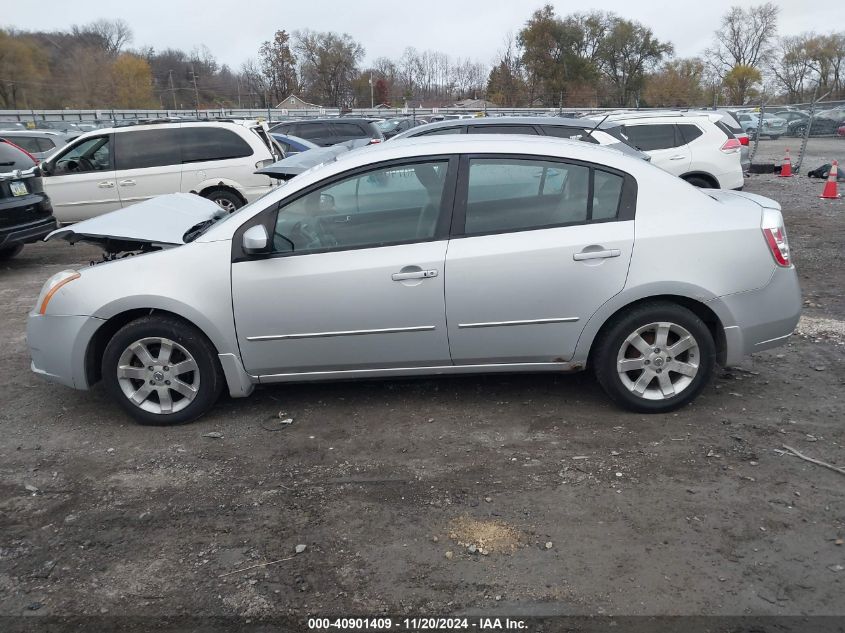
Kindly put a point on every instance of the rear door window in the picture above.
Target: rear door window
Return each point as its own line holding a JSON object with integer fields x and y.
{"x": 46, "y": 144}
{"x": 139, "y": 149}
{"x": 211, "y": 143}
{"x": 652, "y": 136}
{"x": 315, "y": 132}
{"x": 511, "y": 194}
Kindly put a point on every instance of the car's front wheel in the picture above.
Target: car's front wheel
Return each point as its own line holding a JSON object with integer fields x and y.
{"x": 224, "y": 199}
{"x": 162, "y": 371}
{"x": 655, "y": 358}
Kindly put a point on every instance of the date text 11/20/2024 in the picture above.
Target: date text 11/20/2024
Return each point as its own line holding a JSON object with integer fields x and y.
{"x": 417, "y": 624}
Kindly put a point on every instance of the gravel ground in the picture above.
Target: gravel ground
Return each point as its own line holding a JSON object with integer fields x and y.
{"x": 512, "y": 494}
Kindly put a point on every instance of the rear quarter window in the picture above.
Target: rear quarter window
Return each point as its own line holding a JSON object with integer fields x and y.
{"x": 689, "y": 132}
{"x": 212, "y": 143}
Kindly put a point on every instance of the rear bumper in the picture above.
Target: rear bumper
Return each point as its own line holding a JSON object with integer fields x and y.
{"x": 57, "y": 345}
{"x": 26, "y": 233}
{"x": 760, "y": 319}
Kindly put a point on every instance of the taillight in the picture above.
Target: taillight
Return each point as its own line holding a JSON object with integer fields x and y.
{"x": 730, "y": 145}
{"x": 743, "y": 140}
{"x": 373, "y": 141}
{"x": 775, "y": 235}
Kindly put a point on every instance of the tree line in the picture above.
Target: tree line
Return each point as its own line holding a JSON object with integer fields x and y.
{"x": 583, "y": 59}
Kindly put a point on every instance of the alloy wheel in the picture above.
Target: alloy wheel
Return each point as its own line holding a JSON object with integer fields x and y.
{"x": 224, "y": 203}
{"x": 658, "y": 361}
{"x": 158, "y": 375}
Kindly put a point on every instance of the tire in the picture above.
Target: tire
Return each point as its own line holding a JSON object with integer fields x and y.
{"x": 775, "y": 137}
{"x": 698, "y": 181}
{"x": 10, "y": 251}
{"x": 646, "y": 374}
{"x": 191, "y": 391}
{"x": 224, "y": 199}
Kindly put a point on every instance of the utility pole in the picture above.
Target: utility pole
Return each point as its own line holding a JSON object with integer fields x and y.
{"x": 196, "y": 91}
{"x": 172, "y": 89}
{"x": 372, "y": 94}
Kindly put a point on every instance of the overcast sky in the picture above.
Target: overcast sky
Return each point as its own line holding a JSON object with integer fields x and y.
{"x": 233, "y": 31}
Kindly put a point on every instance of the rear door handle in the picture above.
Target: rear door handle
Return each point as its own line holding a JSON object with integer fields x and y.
{"x": 106, "y": 184}
{"x": 417, "y": 274}
{"x": 612, "y": 252}
{"x": 127, "y": 183}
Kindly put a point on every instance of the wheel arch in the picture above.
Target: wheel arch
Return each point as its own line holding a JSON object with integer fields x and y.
{"x": 704, "y": 176}
{"x": 222, "y": 185}
{"x": 590, "y": 339}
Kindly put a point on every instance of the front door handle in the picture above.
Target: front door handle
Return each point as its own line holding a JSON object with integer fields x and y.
{"x": 106, "y": 184}
{"x": 611, "y": 252}
{"x": 417, "y": 274}
{"x": 127, "y": 183}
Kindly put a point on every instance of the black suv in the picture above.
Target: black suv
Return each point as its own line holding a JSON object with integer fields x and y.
{"x": 325, "y": 132}
{"x": 25, "y": 211}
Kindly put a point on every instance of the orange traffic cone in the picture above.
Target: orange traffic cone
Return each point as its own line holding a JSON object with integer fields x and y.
{"x": 830, "y": 191}
{"x": 786, "y": 168}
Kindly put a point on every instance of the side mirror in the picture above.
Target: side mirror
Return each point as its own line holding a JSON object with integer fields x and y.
{"x": 255, "y": 240}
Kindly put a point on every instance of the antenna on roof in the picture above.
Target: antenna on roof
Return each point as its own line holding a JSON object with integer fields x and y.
{"x": 597, "y": 126}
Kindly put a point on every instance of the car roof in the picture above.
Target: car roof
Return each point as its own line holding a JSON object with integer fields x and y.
{"x": 329, "y": 120}
{"x": 169, "y": 124}
{"x": 506, "y": 120}
{"x": 40, "y": 133}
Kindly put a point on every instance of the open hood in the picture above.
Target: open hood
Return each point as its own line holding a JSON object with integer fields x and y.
{"x": 161, "y": 221}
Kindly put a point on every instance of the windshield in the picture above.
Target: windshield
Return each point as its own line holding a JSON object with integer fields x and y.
{"x": 388, "y": 126}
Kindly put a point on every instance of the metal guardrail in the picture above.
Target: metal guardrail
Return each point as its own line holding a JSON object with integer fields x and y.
{"x": 273, "y": 114}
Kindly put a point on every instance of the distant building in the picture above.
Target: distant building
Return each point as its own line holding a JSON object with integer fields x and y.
{"x": 296, "y": 103}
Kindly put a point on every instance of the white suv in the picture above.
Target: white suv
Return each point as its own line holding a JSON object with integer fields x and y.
{"x": 105, "y": 170}
{"x": 695, "y": 146}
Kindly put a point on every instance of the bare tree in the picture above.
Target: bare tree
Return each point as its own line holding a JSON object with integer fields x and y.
{"x": 328, "y": 65}
{"x": 745, "y": 37}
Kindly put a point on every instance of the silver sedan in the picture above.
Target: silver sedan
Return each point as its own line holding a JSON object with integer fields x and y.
{"x": 449, "y": 255}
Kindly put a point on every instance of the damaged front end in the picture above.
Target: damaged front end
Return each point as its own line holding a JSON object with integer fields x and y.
{"x": 162, "y": 222}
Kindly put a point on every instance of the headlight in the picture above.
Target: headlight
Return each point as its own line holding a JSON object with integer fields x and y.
{"x": 52, "y": 287}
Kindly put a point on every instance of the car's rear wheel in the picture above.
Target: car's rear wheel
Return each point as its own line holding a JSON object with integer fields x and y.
{"x": 655, "y": 358}
{"x": 698, "y": 181}
{"x": 775, "y": 137}
{"x": 162, "y": 371}
{"x": 10, "y": 251}
{"x": 224, "y": 199}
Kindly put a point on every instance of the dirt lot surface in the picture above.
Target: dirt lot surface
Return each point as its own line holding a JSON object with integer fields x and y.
{"x": 526, "y": 494}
